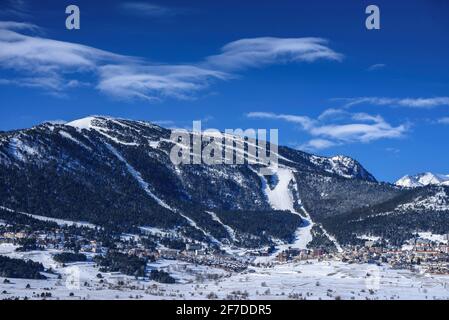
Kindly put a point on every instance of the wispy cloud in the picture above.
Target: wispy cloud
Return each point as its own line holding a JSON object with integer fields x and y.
{"x": 317, "y": 144}
{"x": 44, "y": 63}
{"x": 400, "y": 102}
{"x": 360, "y": 132}
{"x": 148, "y": 9}
{"x": 376, "y": 67}
{"x": 56, "y": 66}
{"x": 13, "y": 25}
{"x": 15, "y": 8}
{"x": 444, "y": 120}
{"x": 349, "y": 128}
{"x": 154, "y": 83}
{"x": 393, "y": 150}
{"x": 258, "y": 52}
{"x": 54, "y": 84}
{"x": 36, "y": 54}
{"x": 424, "y": 102}
{"x": 304, "y": 121}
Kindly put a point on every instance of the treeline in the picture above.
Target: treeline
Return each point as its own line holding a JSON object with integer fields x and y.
{"x": 262, "y": 224}
{"x": 176, "y": 244}
{"x": 396, "y": 226}
{"x": 17, "y": 221}
{"x": 69, "y": 257}
{"x": 28, "y": 244}
{"x": 161, "y": 276}
{"x": 95, "y": 194}
{"x": 320, "y": 240}
{"x": 16, "y": 268}
{"x": 119, "y": 262}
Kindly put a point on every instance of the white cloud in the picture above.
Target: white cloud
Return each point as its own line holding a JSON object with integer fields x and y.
{"x": 155, "y": 82}
{"x": 36, "y": 54}
{"x": 401, "y": 102}
{"x": 181, "y": 81}
{"x": 147, "y": 9}
{"x": 317, "y": 144}
{"x": 56, "y": 66}
{"x": 332, "y": 114}
{"x": 13, "y": 25}
{"x": 376, "y": 67}
{"x": 360, "y": 132}
{"x": 304, "y": 121}
{"x": 348, "y": 128}
{"x": 424, "y": 102}
{"x": 444, "y": 120}
{"x": 257, "y": 52}
{"x": 53, "y": 85}
{"x": 44, "y": 63}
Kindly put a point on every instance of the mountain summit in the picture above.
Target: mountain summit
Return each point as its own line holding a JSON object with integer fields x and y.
{"x": 423, "y": 179}
{"x": 117, "y": 174}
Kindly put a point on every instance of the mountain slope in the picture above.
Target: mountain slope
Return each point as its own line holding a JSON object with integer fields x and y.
{"x": 396, "y": 220}
{"x": 423, "y": 179}
{"x": 117, "y": 174}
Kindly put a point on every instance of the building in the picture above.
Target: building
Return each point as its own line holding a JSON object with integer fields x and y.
{"x": 14, "y": 235}
{"x": 369, "y": 243}
{"x": 193, "y": 247}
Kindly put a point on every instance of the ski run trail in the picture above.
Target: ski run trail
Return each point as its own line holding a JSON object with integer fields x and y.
{"x": 146, "y": 187}
{"x": 281, "y": 198}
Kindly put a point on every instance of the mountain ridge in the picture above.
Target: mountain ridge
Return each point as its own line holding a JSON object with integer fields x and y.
{"x": 423, "y": 179}
{"x": 116, "y": 173}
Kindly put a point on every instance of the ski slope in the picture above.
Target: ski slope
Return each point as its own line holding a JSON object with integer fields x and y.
{"x": 281, "y": 198}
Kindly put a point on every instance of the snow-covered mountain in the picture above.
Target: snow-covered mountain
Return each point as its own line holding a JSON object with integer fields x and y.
{"x": 117, "y": 173}
{"x": 423, "y": 179}
{"x": 343, "y": 166}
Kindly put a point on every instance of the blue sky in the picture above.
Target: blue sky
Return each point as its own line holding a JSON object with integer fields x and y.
{"x": 310, "y": 69}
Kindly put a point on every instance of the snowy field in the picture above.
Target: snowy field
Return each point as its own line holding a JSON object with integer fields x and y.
{"x": 313, "y": 280}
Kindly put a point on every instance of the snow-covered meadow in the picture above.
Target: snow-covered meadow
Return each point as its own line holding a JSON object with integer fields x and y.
{"x": 302, "y": 280}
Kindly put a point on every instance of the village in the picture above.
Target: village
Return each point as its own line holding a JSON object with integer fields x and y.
{"x": 418, "y": 253}
{"x": 147, "y": 246}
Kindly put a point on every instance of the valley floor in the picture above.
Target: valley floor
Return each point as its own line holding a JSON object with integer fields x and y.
{"x": 303, "y": 280}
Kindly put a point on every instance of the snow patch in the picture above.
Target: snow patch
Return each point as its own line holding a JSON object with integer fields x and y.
{"x": 230, "y": 231}
{"x": 80, "y": 124}
{"x": 69, "y": 136}
{"x": 439, "y": 238}
{"x": 437, "y": 202}
{"x": 423, "y": 179}
{"x": 138, "y": 177}
{"x": 20, "y": 150}
{"x": 281, "y": 198}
